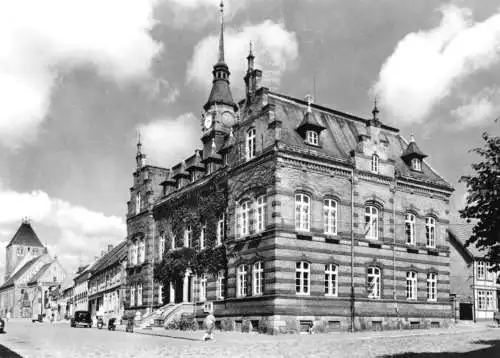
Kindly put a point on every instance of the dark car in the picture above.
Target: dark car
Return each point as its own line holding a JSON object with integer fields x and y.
{"x": 81, "y": 318}
{"x": 2, "y": 325}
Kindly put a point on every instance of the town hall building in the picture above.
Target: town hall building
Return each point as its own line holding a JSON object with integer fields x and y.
{"x": 327, "y": 218}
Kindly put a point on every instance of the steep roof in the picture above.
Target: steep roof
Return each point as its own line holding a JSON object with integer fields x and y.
{"x": 26, "y": 236}
{"x": 40, "y": 273}
{"x": 341, "y": 136}
{"x": 117, "y": 254}
{"x": 461, "y": 231}
{"x": 19, "y": 273}
{"x": 413, "y": 151}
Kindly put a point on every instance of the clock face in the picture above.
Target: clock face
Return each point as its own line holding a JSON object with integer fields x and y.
{"x": 208, "y": 121}
{"x": 228, "y": 118}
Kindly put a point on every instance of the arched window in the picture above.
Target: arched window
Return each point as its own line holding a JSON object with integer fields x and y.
{"x": 260, "y": 223}
{"x": 203, "y": 287}
{"x": 330, "y": 216}
{"x": 431, "y": 286}
{"x": 302, "y": 274}
{"x": 410, "y": 228}
{"x": 331, "y": 280}
{"x": 411, "y": 285}
{"x": 188, "y": 237}
{"x": 375, "y": 166}
{"x": 302, "y": 212}
{"x": 241, "y": 281}
{"x": 245, "y": 207}
{"x": 312, "y": 137}
{"x": 416, "y": 164}
{"x": 258, "y": 279}
{"x": 371, "y": 222}
{"x": 250, "y": 143}
{"x": 138, "y": 203}
{"x": 374, "y": 280}
{"x": 430, "y": 231}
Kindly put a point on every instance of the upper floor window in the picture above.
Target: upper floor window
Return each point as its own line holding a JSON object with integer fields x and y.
{"x": 261, "y": 214}
{"x": 188, "y": 237}
{"x": 241, "y": 281}
{"x": 410, "y": 229}
{"x": 161, "y": 245}
{"x": 375, "y": 162}
{"x": 371, "y": 222}
{"x": 142, "y": 251}
{"x": 19, "y": 251}
{"x": 132, "y": 296}
{"x": 430, "y": 231}
{"x": 220, "y": 230}
{"x": 312, "y": 137}
{"x": 480, "y": 270}
{"x": 202, "y": 236}
{"x": 133, "y": 253}
{"x": 219, "y": 286}
{"x": 245, "y": 217}
{"x": 250, "y": 143}
{"x": 330, "y": 216}
{"x": 34, "y": 252}
{"x": 302, "y": 274}
{"x": 411, "y": 285}
{"x": 416, "y": 164}
{"x": 431, "y": 286}
{"x": 331, "y": 280}
{"x": 139, "y": 295}
{"x": 138, "y": 203}
{"x": 193, "y": 176}
{"x": 374, "y": 280}
{"x": 172, "y": 243}
{"x": 203, "y": 287}
{"x": 302, "y": 212}
{"x": 258, "y": 281}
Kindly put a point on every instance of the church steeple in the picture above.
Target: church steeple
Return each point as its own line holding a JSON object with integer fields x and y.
{"x": 140, "y": 157}
{"x": 221, "y": 93}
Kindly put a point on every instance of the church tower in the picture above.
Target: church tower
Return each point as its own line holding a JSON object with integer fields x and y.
{"x": 220, "y": 110}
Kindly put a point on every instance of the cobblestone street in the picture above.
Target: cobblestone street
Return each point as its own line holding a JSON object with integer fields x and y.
{"x": 24, "y": 339}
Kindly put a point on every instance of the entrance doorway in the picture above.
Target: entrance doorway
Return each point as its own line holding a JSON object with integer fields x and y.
{"x": 178, "y": 291}
{"x": 466, "y": 311}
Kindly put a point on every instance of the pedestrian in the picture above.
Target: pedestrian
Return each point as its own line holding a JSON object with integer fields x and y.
{"x": 210, "y": 326}
{"x": 8, "y": 316}
{"x": 310, "y": 330}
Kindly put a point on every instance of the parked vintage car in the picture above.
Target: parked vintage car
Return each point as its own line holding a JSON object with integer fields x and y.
{"x": 81, "y": 318}
{"x": 2, "y": 325}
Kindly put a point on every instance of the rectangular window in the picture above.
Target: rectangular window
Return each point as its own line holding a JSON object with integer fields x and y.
{"x": 431, "y": 286}
{"x": 481, "y": 300}
{"x": 312, "y": 137}
{"x": 331, "y": 272}
{"x": 19, "y": 251}
{"x": 410, "y": 229}
{"x": 374, "y": 280}
{"x": 161, "y": 246}
{"x": 139, "y": 295}
{"x": 172, "y": 243}
{"x": 258, "y": 282}
{"x": 375, "y": 162}
{"x": 142, "y": 251}
{"x": 411, "y": 285}
{"x": 160, "y": 294}
{"x": 330, "y": 216}
{"x": 261, "y": 213}
{"x": 203, "y": 288}
{"x": 242, "y": 281}
{"x": 302, "y": 274}
{"x": 480, "y": 270}
{"x": 245, "y": 218}
{"x": 302, "y": 212}
{"x": 430, "y": 231}
{"x": 220, "y": 285}
{"x": 188, "y": 237}
{"x": 220, "y": 230}
{"x": 250, "y": 143}
{"x": 132, "y": 296}
{"x": 202, "y": 236}
{"x": 490, "y": 302}
{"x": 371, "y": 222}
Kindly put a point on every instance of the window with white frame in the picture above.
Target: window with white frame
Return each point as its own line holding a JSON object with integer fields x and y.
{"x": 302, "y": 212}
{"x": 374, "y": 280}
{"x": 331, "y": 280}
{"x": 330, "y": 216}
{"x": 19, "y": 251}
{"x": 375, "y": 163}
{"x": 410, "y": 229}
{"x": 312, "y": 137}
{"x": 220, "y": 230}
{"x": 371, "y": 222}
{"x": 133, "y": 252}
{"x": 411, "y": 285}
{"x": 219, "y": 285}
{"x": 193, "y": 176}
{"x": 250, "y": 143}
{"x": 260, "y": 223}
{"x": 245, "y": 208}
{"x": 160, "y": 294}
{"x": 431, "y": 286}
{"x": 480, "y": 270}
{"x": 241, "y": 281}
{"x": 138, "y": 203}
{"x": 202, "y": 236}
{"x": 302, "y": 274}
{"x": 132, "y": 296}
{"x": 161, "y": 245}
{"x": 490, "y": 302}
{"x": 172, "y": 242}
{"x": 188, "y": 237}
{"x": 416, "y": 164}
{"x": 481, "y": 300}
{"x": 139, "y": 295}
{"x": 430, "y": 231}
{"x": 257, "y": 278}
{"x": 142, "y": 251}
{"x": 203, "y": 287}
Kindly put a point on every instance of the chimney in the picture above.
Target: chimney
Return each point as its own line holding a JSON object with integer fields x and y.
{"x": 110, "y": 247}
{"x": 103, "y": 252}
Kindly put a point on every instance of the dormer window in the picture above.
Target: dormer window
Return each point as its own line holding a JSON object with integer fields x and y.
{"x": 375, "y": 160}
{"x": 250, "y": 143}
{"x": 416, "y": 164}
{"x": 312, "y": 137}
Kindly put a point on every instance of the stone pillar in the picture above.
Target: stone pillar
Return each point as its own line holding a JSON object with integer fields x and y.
{"x": 185, "y": 288}
{"x": 172, "y": 292}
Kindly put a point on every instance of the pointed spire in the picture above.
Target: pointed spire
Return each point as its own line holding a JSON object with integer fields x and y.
{"x": 412, "y": 138}
{"x": 375, "y": 110}
{"x": 221, "y": 36}
{"x": 139, "y": 144}
{"x": 250, "y": 59}
{"x": 140, "y": 157}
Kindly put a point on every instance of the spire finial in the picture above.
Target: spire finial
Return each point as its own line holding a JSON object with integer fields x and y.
{"x": 375, "y": 110}
{"x": 139, "y": 144}
{"x": 309, "y": 100}
{"x": 250, "y": 59}
{"x": 221, "y": 38}
{"x": 412, "y": 138}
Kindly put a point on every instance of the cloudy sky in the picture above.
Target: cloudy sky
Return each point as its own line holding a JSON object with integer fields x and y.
{"x": 78, "y": 78}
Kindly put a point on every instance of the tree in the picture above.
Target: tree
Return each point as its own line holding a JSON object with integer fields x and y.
{"x": 483, "y": 200}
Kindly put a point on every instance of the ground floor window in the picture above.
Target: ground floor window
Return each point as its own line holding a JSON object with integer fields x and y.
{"x": 486, "y": 300}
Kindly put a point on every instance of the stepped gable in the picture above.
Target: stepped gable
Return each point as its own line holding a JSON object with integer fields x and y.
{"x": 25, "y": 236}
{"x": 341, "y": 134}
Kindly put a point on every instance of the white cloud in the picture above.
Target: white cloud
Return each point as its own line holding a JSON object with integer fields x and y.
{"x": 427, "y": 65}
{"x": 275, "y": 49}
{"x": 167, "y": 141}
{"x": 485, "y": 106}
{"x": 38, "y": 37}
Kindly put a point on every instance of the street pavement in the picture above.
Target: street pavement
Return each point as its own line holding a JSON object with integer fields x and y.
{"x": 39, "y": 340}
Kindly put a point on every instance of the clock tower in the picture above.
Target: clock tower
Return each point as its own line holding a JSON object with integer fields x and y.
{"x": 220, "y": 110}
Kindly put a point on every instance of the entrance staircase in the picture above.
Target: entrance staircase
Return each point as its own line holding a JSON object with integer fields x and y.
{"x": 161, "y": 316}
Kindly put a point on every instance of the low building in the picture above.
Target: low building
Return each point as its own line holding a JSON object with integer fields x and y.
{"x": 80, "y": 292}
{"x": 106, "y": 284}
{"x": 474, "y": 289}
{"x": 65, "y": 300}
